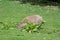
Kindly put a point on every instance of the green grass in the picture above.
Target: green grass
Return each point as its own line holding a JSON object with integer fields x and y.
{"x": 12, "y": 12}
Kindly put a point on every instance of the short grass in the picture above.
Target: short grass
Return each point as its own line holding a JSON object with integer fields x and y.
{"x": 12, "y": 12}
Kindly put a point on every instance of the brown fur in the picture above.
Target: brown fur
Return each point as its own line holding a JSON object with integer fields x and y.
{"x": 31, "y": 19}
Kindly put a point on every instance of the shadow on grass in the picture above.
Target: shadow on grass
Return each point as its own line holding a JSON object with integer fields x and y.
{"x": 38, "y": 2}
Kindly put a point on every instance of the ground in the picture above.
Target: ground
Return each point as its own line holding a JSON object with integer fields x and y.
{"x": 12, "y": 12}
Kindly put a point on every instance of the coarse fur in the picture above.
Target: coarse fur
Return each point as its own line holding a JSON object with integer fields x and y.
{"x": 31, "y": 19}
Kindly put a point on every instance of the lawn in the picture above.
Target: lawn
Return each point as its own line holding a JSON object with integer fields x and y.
{"x": 12, "y": 12}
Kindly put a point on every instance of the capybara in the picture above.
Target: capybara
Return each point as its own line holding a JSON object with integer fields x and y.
{"x": 31, "y": 19}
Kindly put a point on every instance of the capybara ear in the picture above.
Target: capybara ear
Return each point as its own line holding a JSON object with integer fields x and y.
{"x": 31, "y": 19}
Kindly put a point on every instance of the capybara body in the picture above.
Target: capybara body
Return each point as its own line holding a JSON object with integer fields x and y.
{"x": 31, "y": 19}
